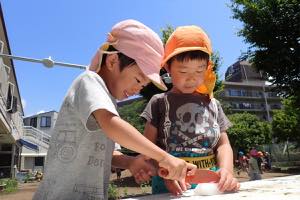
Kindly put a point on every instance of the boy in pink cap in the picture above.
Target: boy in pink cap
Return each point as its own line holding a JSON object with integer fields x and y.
{"x": 82, "y": 143}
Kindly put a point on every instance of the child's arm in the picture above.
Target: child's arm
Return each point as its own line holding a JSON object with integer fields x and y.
{"x": 225, "y": 162}
{"x": 224, "y": 153}
{"x": 150, "y": 132}
{"x": 139, "y": 167}
{"x": 176, "y": 188}
{"x": 126, "y": 135}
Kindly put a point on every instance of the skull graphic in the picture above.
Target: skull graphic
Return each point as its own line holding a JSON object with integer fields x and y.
{"x": 189, "y": 116}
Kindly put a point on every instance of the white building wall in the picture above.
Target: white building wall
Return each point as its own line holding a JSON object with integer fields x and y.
{"x": 47, "y": 130}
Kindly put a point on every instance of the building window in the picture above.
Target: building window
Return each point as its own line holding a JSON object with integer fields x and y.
{"x": 257, "y": 94}
{"x": 39, "y": 161}
{"x": 33, "y": 122}
{"x": 275, "y": 106}
{"x": 45, "y": 121}
{"x": 6, "y": 147}
{"x": 246, "y": 106}
{"x": 235, "y": 93}
{"x": 272, "y": 94}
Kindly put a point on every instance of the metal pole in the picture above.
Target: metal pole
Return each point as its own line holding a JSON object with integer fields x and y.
{"x": 47, "y": 62}
{"x": 265, "y": 98}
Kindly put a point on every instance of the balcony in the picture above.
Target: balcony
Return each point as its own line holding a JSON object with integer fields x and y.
{"x": 36, "y": 136}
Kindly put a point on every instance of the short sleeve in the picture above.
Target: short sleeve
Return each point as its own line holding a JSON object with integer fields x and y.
{"x": 223, "y": 121}
{"x": 91, "y": 95}
{"x": 151, "y": 111}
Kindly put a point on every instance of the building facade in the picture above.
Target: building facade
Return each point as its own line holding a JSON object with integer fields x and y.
{"x": 246, "y": 90}
{"x": 11, "y": 110}
{"x": 37, "y": 133}
{"x": 43, "y": 121}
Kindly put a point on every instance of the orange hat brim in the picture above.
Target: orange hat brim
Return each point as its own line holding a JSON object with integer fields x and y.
{"x": 181, "y": 50}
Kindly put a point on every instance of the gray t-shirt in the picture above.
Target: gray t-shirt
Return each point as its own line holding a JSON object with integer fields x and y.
{"x": 186, "y": 122}
{"x": 79, "y": 157}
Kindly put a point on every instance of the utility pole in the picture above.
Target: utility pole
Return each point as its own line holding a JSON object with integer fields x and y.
{"x": 265, "y": 98}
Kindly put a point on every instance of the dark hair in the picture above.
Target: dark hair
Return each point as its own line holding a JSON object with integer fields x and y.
{"x": 124, "y": 60}
{"x": 189, "y": 55}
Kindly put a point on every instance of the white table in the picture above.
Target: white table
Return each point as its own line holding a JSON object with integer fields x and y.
{"x": 283, "y": 188}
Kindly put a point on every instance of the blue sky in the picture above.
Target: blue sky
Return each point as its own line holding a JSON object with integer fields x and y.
{"x": 71, "y": 31}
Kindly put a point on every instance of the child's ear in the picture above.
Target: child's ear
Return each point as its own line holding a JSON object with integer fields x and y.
{"x": 112, "y": 61}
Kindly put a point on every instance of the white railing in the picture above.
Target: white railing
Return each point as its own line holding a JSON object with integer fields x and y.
{"x": 40, "y": 137}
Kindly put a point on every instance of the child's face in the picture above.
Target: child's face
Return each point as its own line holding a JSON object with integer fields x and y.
{"x": 187, "y": 75}
{"x": 128, "y": 82}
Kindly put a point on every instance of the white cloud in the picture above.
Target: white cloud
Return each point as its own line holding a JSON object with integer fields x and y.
{"x": 42, "y": 111}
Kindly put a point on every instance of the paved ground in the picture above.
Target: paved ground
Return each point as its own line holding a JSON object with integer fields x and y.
{"x": 25, "y": 192}
{"x": 126, "y": 186}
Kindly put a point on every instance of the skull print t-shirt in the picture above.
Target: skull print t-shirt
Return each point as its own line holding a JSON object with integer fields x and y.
{"x": 186, "y": 122}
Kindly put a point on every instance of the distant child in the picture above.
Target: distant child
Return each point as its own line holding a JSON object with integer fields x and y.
{"x": 267, "y": 157}
{"x": 242, "y": 163}
{"x": 254, "y": 170}
{"x": 187, "y": 121}
{"x": 82, "y": 144}
{"x": 260, "y": 161}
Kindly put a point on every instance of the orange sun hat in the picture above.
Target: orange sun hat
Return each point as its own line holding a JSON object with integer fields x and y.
{"x": 192, "y": 38}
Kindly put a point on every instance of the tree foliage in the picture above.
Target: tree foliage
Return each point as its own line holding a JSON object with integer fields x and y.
{"x": 217, "y": 60}
{"x": 248, "y": 131}
{"x": 286, "y": 122}
{"x": 272, "y": 28}
{"x": 166, "y": 32}
{"x": 131, "y": 112}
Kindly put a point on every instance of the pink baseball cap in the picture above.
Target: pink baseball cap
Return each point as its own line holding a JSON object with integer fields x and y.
{"x": 138, "y": 42}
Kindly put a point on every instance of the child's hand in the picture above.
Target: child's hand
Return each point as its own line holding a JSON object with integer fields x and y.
{"x": 176, "y": 168}
{"x": 176, "y": 187}
{"x": 141, "y": 169}
{"x": 227, "y": 181}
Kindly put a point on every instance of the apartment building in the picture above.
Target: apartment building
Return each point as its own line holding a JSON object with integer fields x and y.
{"x": 11, "y": 110}
{"x": 247, "y": 90}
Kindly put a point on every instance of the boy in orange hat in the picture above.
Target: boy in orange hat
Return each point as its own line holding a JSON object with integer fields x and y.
{"x": 82, "y": 143}
{"x": 187, "y": 121}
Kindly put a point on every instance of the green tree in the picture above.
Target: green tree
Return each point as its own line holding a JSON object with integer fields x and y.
{"x": 217, "y": 60}
{"x": 166, "y": 32}
{"x": 131, "y": 112}
{"x": 286, "y": 122}
{"x": 272, "y": 28}
{"x": 248, "y": 131}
